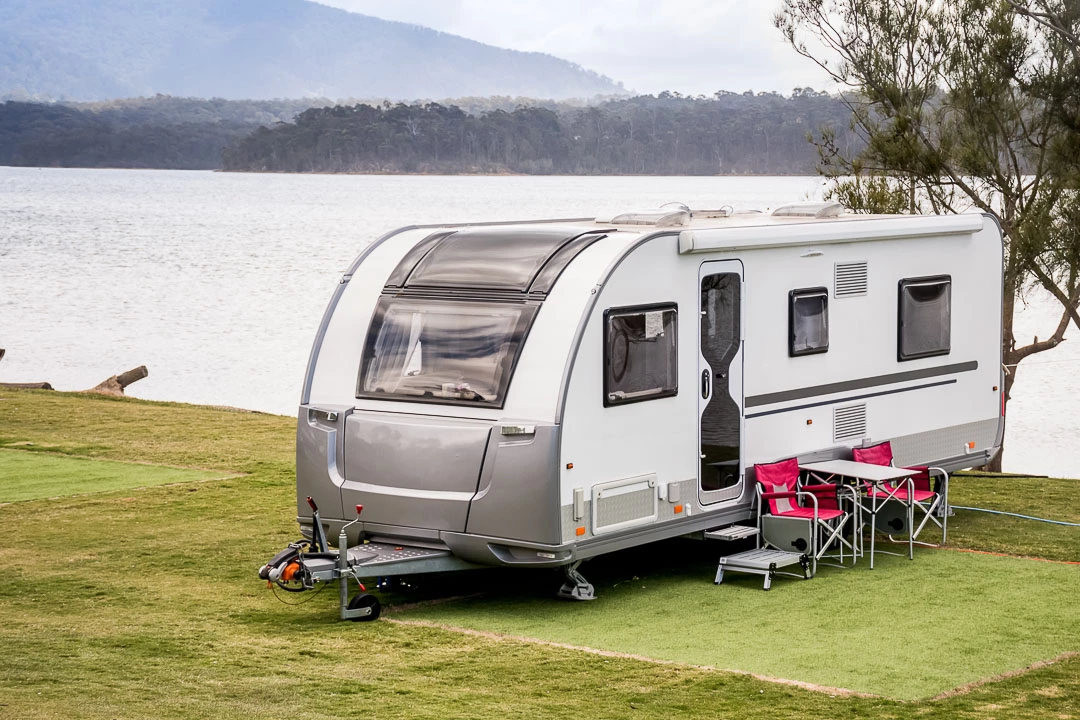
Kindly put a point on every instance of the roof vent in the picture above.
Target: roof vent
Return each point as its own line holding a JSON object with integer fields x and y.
{"x": 810, "y": 210}
{"x": 850, "y": 279}
{"x": 666, "y": 216}
{"x": 849, "y": 422}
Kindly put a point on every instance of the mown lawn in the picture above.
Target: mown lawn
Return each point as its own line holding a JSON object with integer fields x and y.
{"x": 143, "y": 603}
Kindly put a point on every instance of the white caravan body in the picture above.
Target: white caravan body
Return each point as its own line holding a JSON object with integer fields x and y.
{"x": 538, "y": 393}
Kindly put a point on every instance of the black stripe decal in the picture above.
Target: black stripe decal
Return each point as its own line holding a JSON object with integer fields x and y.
{"x": 850, "y": 399}
{"x": 860, "y": 384}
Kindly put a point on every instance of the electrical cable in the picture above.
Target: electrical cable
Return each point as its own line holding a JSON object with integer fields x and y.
{"x": 1016, "y": 515}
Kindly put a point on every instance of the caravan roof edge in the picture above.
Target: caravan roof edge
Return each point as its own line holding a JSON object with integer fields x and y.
{"x": 848, "y": 229}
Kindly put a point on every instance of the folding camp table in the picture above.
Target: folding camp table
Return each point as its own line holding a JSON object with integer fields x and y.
{"x": 879, "y": 478}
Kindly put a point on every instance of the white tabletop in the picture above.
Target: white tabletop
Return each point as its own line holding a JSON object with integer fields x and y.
{"x": 858, "y": 470}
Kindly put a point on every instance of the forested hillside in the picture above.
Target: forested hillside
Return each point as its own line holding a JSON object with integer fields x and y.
{"x": 78, "y": 50}
{"x": 162, "y": 132}
{"x": 669, "y": 134}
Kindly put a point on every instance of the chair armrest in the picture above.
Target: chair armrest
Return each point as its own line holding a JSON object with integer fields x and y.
{"x": 774, "y": 495}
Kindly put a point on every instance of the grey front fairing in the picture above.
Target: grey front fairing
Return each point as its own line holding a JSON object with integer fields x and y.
{"x": 433, "y": 480}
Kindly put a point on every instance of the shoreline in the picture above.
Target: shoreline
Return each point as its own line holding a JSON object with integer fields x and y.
{"x": 374, "y": 173}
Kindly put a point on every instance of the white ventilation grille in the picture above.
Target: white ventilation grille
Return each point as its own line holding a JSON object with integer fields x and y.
{"x": 849, "y": 422}
{"x": 851, "y": 279}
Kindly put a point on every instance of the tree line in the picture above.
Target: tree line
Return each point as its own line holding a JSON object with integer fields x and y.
{"x": 158, "y": 132}
{"x": 728, "y": 133}
{"x": 764, "y": 133}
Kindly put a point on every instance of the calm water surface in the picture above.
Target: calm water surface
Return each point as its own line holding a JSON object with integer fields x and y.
{"x": 216, "y": 282}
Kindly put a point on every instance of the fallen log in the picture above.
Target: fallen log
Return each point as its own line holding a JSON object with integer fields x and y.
{"x": 27, "y": 386}
{"x": 116, "y": 384}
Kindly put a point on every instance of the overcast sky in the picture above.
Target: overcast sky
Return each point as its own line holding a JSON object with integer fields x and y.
{"x": 689, "y": 46}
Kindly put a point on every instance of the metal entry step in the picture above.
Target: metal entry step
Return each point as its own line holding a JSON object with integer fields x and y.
{"x": 763, "y": 562}
{"x": 732, "y": 532}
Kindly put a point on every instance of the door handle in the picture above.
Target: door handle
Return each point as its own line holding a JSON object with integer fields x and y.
{"x": 706, "y": 383}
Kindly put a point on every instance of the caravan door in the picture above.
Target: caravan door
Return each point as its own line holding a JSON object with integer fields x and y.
{"x": 720, "y": 381}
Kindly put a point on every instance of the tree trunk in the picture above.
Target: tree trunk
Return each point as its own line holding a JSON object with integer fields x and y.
{"x": 116, "y": 384}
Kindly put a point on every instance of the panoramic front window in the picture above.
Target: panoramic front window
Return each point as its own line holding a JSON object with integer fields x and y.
{"x": 439, "y": 351}
{"x": 640, "y": 354}
{"x": 925, "y": 317}
{"x": 808, "y": 321}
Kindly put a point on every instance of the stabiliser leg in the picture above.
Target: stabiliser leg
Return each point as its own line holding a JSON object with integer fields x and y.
{"x": 576, "y": 586}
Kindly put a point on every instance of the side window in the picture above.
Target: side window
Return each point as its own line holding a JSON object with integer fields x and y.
{"x": 640, "y": 354}
{"x": 808, "y": 321}
{"x": 925, "y": 317}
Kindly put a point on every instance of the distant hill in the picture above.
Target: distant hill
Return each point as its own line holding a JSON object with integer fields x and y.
{"x": 79, "y": 50}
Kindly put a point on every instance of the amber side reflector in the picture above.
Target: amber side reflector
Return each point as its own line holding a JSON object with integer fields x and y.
{"x": 569, "y": 466}
{"x": 580, "y": 531}
{"x": 809, "y": 422}
{"x": 678, "y": 509}
{"x": 971, "y": 446}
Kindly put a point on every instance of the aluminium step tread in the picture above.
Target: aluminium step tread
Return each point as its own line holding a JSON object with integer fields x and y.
{"x": 732, "y": 532}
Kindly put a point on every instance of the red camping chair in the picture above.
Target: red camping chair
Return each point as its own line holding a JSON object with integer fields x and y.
{"x": 813, "y": 510}
{"x": 930, "y": 502}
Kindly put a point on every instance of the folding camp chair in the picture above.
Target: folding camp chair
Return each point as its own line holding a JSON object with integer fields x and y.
{"x": 933, "y": 503}
{"x": 806, "y": 518}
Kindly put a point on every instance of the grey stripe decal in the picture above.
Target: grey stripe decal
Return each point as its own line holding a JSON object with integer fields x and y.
{"x": 850, "y": 399}
{"x": 860, "y": 384}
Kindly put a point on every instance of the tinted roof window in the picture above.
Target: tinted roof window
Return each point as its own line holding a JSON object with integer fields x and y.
{"x": 494, "y": 259}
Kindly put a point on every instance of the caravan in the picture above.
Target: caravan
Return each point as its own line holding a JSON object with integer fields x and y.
{"x": 533, "y": 394}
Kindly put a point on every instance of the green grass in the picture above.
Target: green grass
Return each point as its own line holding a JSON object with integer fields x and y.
{"x": 24, "y": 476}
{"x": 123, "y": 604}
{"x": 847, "y": 628}
{"x": 1037, "y": 497}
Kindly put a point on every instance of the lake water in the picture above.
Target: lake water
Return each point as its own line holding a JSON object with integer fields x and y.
{"x": 217, "y": 282}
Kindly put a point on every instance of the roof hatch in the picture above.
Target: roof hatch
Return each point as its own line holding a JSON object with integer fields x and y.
{"x": 522, "y": 260}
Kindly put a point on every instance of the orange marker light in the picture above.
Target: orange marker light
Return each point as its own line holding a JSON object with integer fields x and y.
{"x": 580, "y": 531}
{"x": 809, "y": 422}
{"x": 971, "y": 446}
{"x": 569, "y": 466}
{"x": 678, "y": 509}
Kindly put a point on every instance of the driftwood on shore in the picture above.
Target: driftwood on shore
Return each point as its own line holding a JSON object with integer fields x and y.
{"x": 116, "y": 384}
{"x": 28, "y": 386}
{"x": 113, "y": 386}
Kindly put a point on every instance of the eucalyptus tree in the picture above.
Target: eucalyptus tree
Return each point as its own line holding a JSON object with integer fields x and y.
{"x": 962, "y": 104}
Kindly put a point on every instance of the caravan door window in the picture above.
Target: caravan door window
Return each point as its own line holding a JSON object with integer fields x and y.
{"x": 441, "y": 351}
{"x": 808, "y": 321}
{"x": 640, "y": 354}
{"x": 925, "y": 317}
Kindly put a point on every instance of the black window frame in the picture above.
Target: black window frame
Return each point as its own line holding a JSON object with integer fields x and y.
{"x": 793, "y": 297}
{"x": 639, "y": 310}
{"x": 902, "y": 285}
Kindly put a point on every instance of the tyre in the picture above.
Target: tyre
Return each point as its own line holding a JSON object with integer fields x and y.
{"x": 365, "y": 600}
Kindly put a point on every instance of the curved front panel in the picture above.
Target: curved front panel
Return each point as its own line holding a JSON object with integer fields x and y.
{"x": 413, "y": 471}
